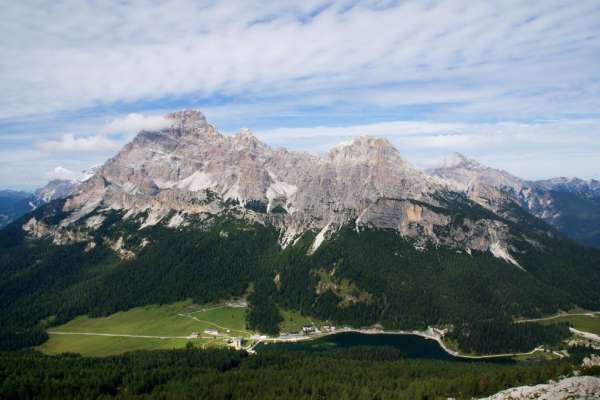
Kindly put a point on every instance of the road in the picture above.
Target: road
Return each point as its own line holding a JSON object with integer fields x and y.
{"x": 122, "y": 335}
{"x": 561, "y": 315}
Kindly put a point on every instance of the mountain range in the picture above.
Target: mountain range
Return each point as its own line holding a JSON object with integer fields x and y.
{"x": 356, "y": 235}
{"x": 260, "y": 175}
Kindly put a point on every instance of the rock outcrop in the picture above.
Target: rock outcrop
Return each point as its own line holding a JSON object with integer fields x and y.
{"x": 574, "y": 388}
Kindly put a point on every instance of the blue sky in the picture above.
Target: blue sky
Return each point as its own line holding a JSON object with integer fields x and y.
{"x": 514, "y": 84}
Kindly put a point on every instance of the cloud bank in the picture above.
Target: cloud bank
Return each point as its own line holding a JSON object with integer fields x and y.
{"x": 135, "y": 122}
{"x": 69, "y": 143}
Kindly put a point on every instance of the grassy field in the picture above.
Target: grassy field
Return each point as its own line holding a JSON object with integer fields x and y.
{"x": 584, "y": 323}
{"x": 98, "y": 346}
{"x": 293, "y": 321}
{"x": 179, "y": 319}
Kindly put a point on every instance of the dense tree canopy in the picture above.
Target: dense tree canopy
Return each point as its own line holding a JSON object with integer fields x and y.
{"x": 357, "y": 373}
{"x": 358, "y": 277}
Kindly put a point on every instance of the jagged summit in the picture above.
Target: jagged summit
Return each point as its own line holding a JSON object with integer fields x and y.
{"x": 187, "y": 118}
{"x": 468, "y": 173}
{"x": 246, "y": 138}
{"x": 189, "y": 123}
{"x": 458, "y": 160}
{"x": 365, "y": 149}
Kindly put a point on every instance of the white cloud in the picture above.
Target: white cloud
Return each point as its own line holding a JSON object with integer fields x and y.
{"x": 134, "y": 122}
{"x": 68, "y": 143}
{"x": 62, "y": 173}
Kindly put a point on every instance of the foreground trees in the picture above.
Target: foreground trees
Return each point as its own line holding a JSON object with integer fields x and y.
{"x": 354, "y": 373}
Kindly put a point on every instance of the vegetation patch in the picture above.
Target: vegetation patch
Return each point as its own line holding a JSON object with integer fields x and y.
{"x": 343, "y": 288}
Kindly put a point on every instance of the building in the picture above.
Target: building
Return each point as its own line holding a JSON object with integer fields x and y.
{"x": 308, "y": 329}
{"x": 238, "y": 342}
{"x": 211, "y": 331}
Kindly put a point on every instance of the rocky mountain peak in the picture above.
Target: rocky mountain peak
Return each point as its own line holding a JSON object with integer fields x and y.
{"x": 365, "y": 149}
{"x": 469, "y": 173}
{"x": 458, "y": 160}
{"x": 189, "y": 123}
{"x": 187, "y": 118}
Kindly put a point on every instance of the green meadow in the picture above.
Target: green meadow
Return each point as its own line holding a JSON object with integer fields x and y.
{"x": 170, "y": 324}
{"x": 293, "y": 321}
{"x": 586, "y": 323}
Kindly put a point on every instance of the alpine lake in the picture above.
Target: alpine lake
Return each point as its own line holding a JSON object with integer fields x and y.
{"x": 410, "y": 346}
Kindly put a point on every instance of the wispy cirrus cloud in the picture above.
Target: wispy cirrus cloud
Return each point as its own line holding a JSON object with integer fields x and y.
{"x": 477, "y": 54}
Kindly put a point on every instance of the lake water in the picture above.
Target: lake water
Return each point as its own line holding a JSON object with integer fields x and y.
{"x": 411, "y": 346}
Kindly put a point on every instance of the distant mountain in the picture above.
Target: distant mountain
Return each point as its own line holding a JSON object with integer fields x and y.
{"x": 570, "y": 205}
{"x": 356, "y": 236}
{"x": 56, "y": 189}
{"x": 584, "y": 188}
{"x": 14, "y": 204}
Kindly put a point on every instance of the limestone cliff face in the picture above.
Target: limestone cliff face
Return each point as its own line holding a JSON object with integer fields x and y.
{"x": 190, "y": 168}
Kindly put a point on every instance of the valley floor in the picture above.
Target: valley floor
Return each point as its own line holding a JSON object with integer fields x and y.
{"x": 150, "y": 328}
{"x": 218, "y": 325}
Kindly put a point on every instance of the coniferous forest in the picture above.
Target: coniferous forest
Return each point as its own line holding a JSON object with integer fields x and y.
{"x": 357, "y": 278}
{"x": 356, "y": 373}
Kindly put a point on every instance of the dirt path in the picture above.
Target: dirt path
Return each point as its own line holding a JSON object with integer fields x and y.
{"x": 214, "y": 324}
{"x": 121, "y": 335}
{"x": 562, "y": 315}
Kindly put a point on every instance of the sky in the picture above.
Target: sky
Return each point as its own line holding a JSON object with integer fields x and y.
{"x": 513, "y": 84}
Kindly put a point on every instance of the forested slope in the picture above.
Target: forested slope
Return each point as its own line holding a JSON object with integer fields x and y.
{"x": 358, "y": 277}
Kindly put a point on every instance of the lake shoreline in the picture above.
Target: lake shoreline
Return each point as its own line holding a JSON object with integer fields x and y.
{"x": 429, "y": 335}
